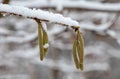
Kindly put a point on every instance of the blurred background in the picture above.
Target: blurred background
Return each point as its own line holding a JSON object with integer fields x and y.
{"x": 100, "y": 26}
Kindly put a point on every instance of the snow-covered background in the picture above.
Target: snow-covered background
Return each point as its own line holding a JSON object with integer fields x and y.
{"x": 100, "y": 25}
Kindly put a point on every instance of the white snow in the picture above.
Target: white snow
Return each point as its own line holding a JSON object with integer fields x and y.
{"x": 46, "y": 45}
{"x": 40, "y": 14}
{"x": 44, "y": 26}
{"x": 111, "y": 33}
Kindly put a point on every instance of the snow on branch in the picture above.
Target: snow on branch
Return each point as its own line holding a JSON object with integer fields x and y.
{"x": 38, "y": 14}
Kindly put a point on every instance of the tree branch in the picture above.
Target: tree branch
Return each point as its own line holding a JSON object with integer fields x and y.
{"x": 39, "y": 15}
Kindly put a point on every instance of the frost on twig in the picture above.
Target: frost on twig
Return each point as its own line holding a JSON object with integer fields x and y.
{"x": 39, "y": 16}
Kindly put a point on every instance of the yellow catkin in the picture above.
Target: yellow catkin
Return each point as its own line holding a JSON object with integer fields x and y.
{"x": 40, "y": 40}
{"x": 81, "y": 50}
{"x": 78, "y": 51}
{"x": 45, "y": 41}
{"x": 75, "y": 54}
{"x": 80, "y": 54}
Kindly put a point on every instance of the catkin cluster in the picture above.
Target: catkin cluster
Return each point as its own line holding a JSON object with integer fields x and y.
{"x": 78, "y": 46}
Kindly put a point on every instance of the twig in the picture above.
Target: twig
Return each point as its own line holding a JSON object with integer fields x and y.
{"x": 38, "y": 15}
